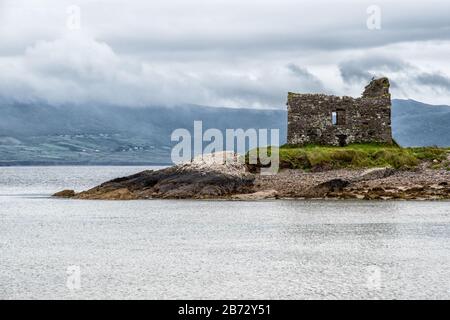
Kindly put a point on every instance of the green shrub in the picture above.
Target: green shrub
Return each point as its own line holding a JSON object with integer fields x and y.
{"x": 400, "y": 158}
{"x": 430, "y": 153}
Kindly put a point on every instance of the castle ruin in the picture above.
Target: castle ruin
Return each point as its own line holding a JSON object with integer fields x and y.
{"x": 338, "y": 121}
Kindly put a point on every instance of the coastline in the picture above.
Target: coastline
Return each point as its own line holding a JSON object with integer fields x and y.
{"x": 205, "y": 180}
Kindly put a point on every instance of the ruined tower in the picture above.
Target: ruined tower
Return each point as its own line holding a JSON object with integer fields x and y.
{"x": 331, "y": 120}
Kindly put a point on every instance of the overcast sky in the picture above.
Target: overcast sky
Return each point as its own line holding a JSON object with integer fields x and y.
{"x": 232, "y": 53}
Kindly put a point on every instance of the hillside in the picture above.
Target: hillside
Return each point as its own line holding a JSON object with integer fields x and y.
{"x": 419, "y": 124}
{"x": 45, "y": 134}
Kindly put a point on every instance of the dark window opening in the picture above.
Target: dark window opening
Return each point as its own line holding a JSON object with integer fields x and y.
{"x": 338, "y": 117}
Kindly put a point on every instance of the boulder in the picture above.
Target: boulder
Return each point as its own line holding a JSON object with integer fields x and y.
{"x": 374, "y": 173}
{"x": 259, "y": 195}
{"x": 65, "y": 194}
{"x": 324, "y": 188}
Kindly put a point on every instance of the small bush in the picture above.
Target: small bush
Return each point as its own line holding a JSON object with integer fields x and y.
{"x": 429, "y": 153}
{"x": 318, "y": 157}
{"x": 400, "y": 158}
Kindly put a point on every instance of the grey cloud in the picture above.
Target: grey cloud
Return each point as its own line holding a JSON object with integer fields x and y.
{"x": 224, "y": 53}
{"x": 352, "y": 73}
{"x": 361, "y": 70}
{"x": 79, "y": 70}
{"x": 262, "y": 43}
{"x": 301, "y": 72}
{"x": 405, "y": 77}
{"x": 310, "y": 81}
{"x": 177, "y": 26}
{"x": 258, "y": 27}
{"x": 435, "y": 80}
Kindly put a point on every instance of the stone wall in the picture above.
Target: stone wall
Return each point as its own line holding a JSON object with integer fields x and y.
{"x": 331, "y": 120}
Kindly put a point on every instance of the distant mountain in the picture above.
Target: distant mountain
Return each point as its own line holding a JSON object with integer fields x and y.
{"x": 419, "y": 124}
{"x": 45, "y": 134}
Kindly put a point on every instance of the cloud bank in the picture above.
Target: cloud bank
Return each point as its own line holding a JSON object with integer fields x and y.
{"x": 219, "y": 53}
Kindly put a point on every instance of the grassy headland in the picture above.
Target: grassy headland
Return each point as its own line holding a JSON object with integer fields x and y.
{"x": 313, "y": 157}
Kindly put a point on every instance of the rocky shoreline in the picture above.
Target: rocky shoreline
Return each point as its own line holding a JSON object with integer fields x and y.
{"x": 208, "y": 178}
{"x": 371, "y": 184}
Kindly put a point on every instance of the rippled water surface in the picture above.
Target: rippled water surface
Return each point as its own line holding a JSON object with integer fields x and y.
{"x": 168, "y": 249}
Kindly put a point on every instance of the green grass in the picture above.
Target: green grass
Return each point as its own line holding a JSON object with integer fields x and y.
{"x": 358, "y": 156}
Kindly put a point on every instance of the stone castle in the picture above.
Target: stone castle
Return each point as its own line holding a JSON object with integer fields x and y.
{"x": 338, "y": 121}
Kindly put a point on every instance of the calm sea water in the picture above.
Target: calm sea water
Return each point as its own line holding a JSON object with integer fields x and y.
{"x": 168, "y": 249}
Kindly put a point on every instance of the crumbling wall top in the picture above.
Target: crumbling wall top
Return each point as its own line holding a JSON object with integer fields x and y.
{"x": 377, "y": 88}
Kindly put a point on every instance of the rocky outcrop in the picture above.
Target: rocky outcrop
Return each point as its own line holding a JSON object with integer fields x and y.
{"x": 259, "y": 195}
{"x": 324, "y": 188}
{"x": 374, "y": 173}
{"x": 212, "y": 177}
{"x": 424, "y": 191}
{"x": 370, "y": 184}
{"x": 336, "y": 186}
{"x": 65, "y": 194}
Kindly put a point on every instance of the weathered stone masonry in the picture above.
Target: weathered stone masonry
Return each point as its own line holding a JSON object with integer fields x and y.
{"x": 332, "y": 120}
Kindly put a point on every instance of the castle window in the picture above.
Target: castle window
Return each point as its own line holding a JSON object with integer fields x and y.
{"x": 338, "y": 117}
{"x": 334, "y": 118}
